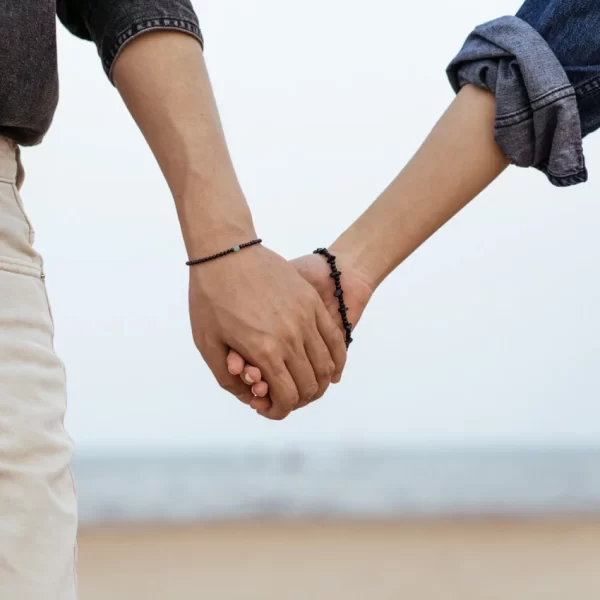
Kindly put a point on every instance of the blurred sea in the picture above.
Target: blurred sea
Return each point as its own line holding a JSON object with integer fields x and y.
{"x": 335, "y": 482}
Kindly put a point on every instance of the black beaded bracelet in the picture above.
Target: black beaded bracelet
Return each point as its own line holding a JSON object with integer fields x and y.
{"x": 199, "y": 261}
{"x": 339, "y": 294}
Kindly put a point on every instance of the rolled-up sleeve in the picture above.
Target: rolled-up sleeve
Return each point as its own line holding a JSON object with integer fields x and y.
{"x": 111, "y": 24}
{"x": 537, "y": 114}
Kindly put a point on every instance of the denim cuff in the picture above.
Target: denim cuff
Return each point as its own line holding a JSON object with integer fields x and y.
{"x": 112, "y": 24}
{"x": 113, "y": 47}
{"x": 537, "y": 117}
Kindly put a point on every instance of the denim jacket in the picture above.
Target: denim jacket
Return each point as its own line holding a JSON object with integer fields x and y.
{"x": 543, "y": 65}
{"x": 28, "y": 70}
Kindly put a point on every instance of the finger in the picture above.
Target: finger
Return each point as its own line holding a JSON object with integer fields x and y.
{"x": 322, "y": 363}
{"x": 260, "y": 405}
{"x": 251, "y": 375}
{"x": 260, "y": 389}
{"x": 303, "y": 372}
{"x": 235, "y": 363}
{"x": 334, "y": 339}
{"x": 261, "y": 402}
{"x": 283, "y": 391}
{"x": 215, "y": 355}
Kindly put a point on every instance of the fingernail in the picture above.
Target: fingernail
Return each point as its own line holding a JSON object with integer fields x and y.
{"x": 255, "y": 394}
{"x": 247, "y": 378}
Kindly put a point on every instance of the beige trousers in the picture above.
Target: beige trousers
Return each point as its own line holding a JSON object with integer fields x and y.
{"x": 38, "y": 514}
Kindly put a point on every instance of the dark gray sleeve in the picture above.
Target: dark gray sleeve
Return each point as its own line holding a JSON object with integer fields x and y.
{"x": 111, "y": 24}
{"x": 537, "y": 116}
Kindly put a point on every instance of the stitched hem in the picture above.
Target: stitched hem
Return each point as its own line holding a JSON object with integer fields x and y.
{"x": 144, "y": 26}
{"x": 563, "y": 180}
{"x": 543, "y": 101}
{"x": 18, "y": 267}
{"x": 537, "y": 114}
{"x": 587, "y": 88}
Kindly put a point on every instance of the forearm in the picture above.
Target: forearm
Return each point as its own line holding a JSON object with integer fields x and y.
{"x": 456, "y": 162}
{"x": 164, "y": 82}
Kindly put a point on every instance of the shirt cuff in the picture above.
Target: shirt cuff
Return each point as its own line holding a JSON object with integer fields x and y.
{"x": 113, "y": 48}
{"x": 537, "y": 117}
{"x": 112, "y": 24}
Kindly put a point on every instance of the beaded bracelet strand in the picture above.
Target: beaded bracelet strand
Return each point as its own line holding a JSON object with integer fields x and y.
{"x": 199, "y": 261}
{"x": 339, "y": 294}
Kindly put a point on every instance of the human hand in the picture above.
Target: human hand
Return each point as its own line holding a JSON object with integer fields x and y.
{"x": 315, "y": 270}
{"x": 257, "y": 304}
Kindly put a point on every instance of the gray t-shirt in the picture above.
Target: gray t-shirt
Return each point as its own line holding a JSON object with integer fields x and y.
{"x": 28, "y": 70}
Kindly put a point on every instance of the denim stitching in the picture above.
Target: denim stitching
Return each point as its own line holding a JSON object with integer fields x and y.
{"x": 530, "y": 112}
{"x": 589, "y": 87}
{"x": 535, "y": 104}
{"x": 142, "y": 26}
{"x": 567, "y": 180}
{"x": 555, "y": 91}
{"x": 571, "y": 178}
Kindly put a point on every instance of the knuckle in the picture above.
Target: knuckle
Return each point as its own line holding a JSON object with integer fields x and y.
{"x": 292, "y": 401}
{"x": 317, "y": 396}
{"x": 290, "y": 336}
{"x": 269, "y": 348}
{"x": 278, "y": 370}
{"x": 277, "y": 416}
{"x": 327, "y": 370}
{"x": 310, "y": 392}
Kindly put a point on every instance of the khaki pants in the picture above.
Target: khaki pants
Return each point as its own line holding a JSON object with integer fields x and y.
{"x": 38, "y": 515}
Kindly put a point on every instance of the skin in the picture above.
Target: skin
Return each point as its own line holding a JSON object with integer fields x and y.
{"x": 253, "y": 301}
{"x": 456, "y": 162}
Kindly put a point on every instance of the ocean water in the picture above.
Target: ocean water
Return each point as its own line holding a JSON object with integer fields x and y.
{"x": 335, "y": 482}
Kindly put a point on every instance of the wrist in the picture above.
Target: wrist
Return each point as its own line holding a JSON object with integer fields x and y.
{"x": 219, "y": 237}
{"x": 212, "y": 222}
{"x": 355, "y": 254}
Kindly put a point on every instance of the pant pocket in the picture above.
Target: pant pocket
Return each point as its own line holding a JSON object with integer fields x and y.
{"x": 16, "y": 232}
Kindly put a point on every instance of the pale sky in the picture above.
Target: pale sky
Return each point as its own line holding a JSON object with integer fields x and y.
{"x": 489, "y": 333}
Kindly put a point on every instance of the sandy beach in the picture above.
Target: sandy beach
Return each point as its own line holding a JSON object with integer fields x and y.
{"x": 549, "y": 559}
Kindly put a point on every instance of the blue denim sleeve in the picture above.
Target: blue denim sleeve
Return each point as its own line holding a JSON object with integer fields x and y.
{"x": 113, "y": 23}
{"x": 543, "y": 67}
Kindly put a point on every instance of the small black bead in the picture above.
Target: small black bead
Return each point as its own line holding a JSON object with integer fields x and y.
{"x": 339, "y": 294}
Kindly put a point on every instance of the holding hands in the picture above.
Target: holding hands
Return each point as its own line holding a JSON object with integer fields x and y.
{"x": 257, "y": 303}
{"x": 314, "y": 270}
